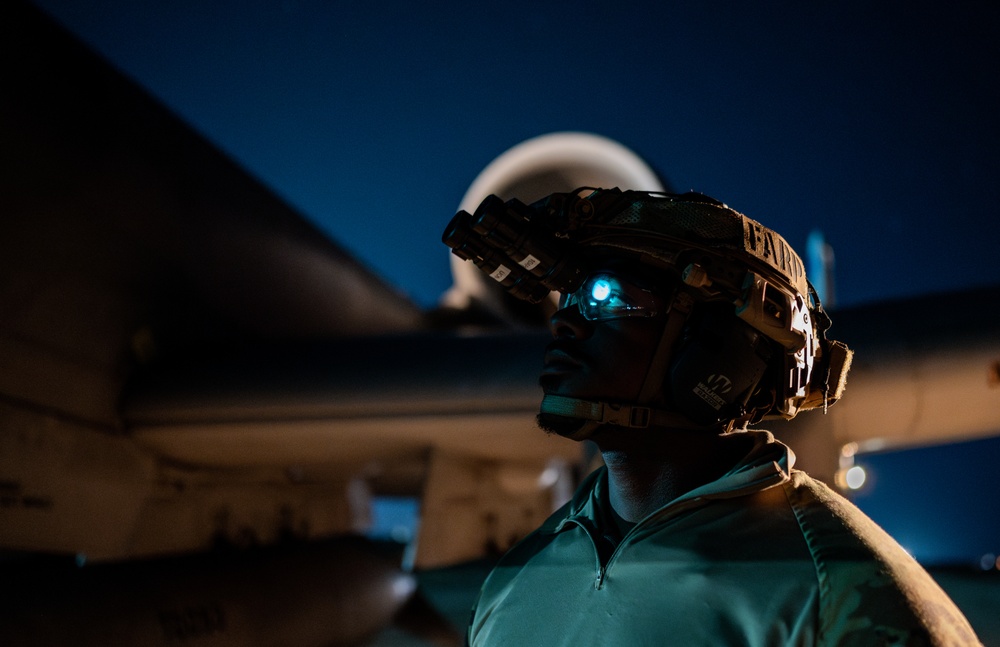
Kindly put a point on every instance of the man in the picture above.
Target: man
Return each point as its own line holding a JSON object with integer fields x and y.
{"x": 680, "y": 322}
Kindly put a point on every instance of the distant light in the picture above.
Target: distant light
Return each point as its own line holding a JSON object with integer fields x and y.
{"x": 403, "y": 587}
{"x": 855, "y": 477}
{"x": 989, "y": 561}
{"x": 395, "y": 518}
{"x": 548, "y": 477}
{"x": 601, "y": 291}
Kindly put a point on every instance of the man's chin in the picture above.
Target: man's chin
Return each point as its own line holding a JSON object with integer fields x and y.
{"x": 561, "y": 425}
{"x": 550, "y": 381}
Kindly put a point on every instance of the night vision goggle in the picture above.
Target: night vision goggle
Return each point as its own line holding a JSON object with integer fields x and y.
{"x": 517, "y": 248}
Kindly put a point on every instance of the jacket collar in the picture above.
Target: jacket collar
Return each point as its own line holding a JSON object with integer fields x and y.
{"x": 767, "y": 464}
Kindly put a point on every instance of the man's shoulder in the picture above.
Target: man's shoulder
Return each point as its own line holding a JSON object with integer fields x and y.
{"x": 867, "y": 580}
{"x": 823, "y": 513}
{"x": 834, "y": 528}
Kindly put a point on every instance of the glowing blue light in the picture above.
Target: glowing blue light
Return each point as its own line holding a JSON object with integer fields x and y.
{"x": 601, "y": 290}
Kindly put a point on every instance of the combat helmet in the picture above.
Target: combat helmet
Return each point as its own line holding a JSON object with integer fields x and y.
{"x": 745, "y": 335}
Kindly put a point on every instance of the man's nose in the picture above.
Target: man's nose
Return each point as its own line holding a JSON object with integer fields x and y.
{"x": 569, "y": 323}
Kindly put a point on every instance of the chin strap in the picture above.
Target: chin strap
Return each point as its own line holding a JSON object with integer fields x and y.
{"x": 595, "y": 413}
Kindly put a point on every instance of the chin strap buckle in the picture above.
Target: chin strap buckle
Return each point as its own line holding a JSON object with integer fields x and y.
{"x": 605, "y": 413}
{"x": 624, "y": 415}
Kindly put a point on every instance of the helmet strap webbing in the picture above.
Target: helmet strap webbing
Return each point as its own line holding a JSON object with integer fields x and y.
{"x": 656, "y": 374}
{"x": 610, "y": 413}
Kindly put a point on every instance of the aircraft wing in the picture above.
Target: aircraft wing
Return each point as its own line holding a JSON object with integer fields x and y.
{"x": 185, "y": 359}
{"x": 185, "y": 363}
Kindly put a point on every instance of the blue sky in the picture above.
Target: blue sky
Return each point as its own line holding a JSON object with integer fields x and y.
{"x": 877, "y": 125}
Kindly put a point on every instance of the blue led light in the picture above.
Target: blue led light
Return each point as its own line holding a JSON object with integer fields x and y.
{"x": 601, "y": 290}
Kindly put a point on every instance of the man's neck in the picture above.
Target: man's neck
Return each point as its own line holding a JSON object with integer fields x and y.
{"x": 648, "y": 469}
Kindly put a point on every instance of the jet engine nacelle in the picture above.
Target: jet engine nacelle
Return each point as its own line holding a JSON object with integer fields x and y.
{"x": 530, "y": 171}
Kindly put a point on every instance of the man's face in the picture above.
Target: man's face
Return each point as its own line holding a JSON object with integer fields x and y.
{"x": 604, "y": 359}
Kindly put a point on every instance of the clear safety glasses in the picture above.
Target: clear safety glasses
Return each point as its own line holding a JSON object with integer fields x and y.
{"x": 606, "y": 296}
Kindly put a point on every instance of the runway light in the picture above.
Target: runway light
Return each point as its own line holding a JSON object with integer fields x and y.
{"x": 855, "y": 477}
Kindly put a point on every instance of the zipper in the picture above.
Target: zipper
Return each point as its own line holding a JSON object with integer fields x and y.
{"x": 681, "y": 505}
{"x": 659, "y": 515}
{"x": 602, "y": 569}
{"x": 591, "y": 533}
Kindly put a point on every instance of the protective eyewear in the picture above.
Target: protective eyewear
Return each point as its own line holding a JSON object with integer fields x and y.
{"x": 606, "y": 296}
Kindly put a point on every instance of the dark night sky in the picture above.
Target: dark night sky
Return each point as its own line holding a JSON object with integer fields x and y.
{"x": 876, "y": 124}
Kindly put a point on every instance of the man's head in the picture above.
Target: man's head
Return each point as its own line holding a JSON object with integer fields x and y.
{"x": 676, "y": 310}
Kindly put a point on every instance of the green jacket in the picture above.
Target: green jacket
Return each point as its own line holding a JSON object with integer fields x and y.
{"x": 765, "y": 555}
